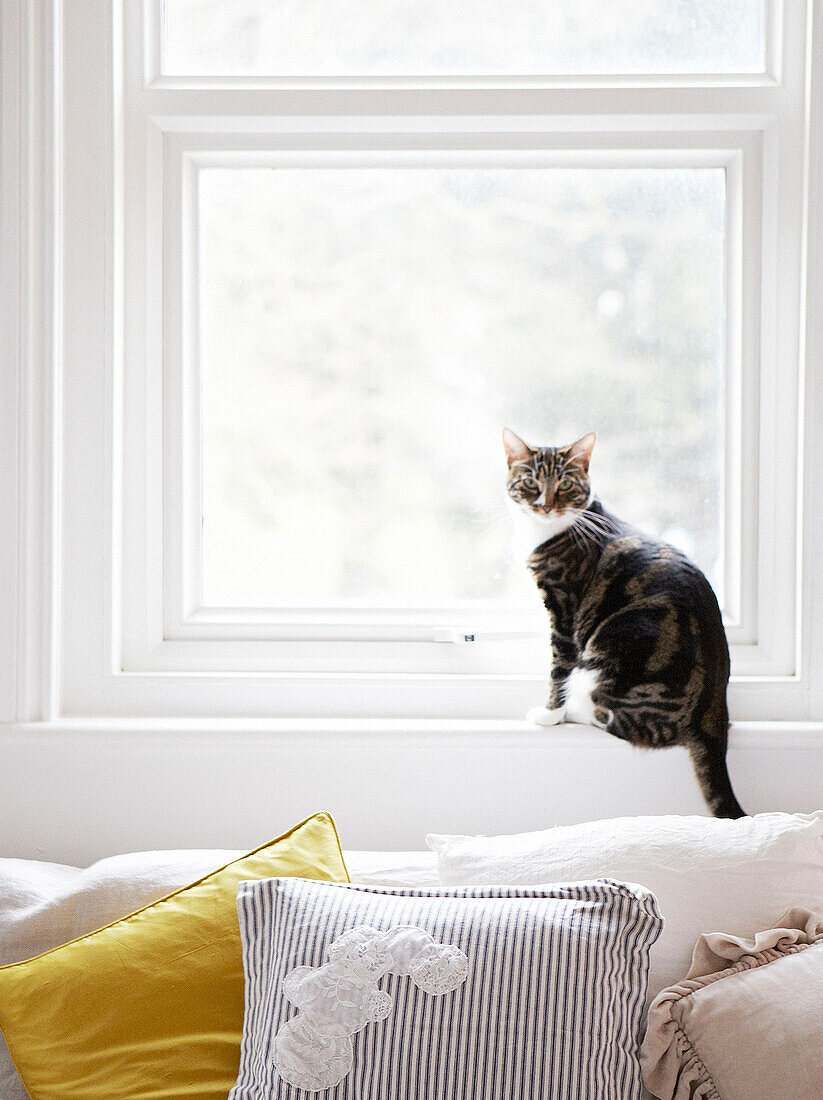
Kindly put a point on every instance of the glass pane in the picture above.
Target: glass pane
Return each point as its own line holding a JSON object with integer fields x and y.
{"x": 463, "y": 38}
{"x": 366, "y": 333}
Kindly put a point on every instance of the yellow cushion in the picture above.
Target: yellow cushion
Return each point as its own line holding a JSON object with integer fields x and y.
{"x": 151, "y": 1007}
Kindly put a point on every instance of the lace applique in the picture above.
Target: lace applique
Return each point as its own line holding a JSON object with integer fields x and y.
{"x": 313, "y": 1050}
{"x": 435, "y": 970}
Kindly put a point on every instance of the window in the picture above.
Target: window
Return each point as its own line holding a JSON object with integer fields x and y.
{"x": 339, "y": 263}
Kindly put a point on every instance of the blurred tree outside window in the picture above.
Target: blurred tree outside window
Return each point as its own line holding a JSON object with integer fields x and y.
{"x": 365, "y": 334}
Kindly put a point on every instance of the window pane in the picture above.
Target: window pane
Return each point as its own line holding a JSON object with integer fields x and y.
{"x": 366, "y": 333}
{"x": 464, "y": 37}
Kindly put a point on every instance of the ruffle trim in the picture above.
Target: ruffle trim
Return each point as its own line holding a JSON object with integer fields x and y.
{"x": 671, "y": 1066}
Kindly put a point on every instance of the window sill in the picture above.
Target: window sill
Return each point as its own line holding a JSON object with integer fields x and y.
{"x": 742, "y": 734}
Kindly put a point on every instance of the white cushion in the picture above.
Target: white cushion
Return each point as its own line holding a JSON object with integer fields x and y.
{"x": 418, "y": 869}
{"x": 707, "y": 874}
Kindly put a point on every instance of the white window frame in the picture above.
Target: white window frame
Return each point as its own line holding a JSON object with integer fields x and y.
{"x": 108, "y": 520}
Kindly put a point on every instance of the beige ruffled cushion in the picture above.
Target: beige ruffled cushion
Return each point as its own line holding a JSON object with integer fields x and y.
{"x": 747, "y": 1021}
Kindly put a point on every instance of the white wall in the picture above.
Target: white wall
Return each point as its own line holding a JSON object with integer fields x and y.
{"x": 74, "y": 795}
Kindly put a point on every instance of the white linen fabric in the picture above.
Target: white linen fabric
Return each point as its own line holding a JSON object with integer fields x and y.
{"x": 551, "y": 1006}
{"x": 413, "y": 869}
{"x": 707, "y": 874}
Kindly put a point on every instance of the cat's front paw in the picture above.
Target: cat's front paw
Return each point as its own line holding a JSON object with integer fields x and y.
{"x": 544, "y": 716}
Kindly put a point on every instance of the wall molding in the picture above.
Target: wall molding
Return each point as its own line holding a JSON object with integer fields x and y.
{"x": 11, "y": 167}
{"x": 31, "y": 89}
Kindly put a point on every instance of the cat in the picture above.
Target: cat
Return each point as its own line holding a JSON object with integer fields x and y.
{"x": 638, "y": 645}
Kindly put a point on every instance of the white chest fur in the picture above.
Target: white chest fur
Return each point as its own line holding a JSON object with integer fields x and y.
{"x": 531, "y": 530}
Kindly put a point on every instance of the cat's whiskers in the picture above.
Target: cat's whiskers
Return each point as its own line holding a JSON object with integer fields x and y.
{"x": 596, "y": 519}
{"x": 591, "y": 526}
{"x": 576, "y": 537}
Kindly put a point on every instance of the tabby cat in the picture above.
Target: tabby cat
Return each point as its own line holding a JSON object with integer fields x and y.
{"x": 638, "y": 646}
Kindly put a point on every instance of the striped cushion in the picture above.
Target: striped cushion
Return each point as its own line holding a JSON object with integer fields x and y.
{"x": 550, "y": 1007}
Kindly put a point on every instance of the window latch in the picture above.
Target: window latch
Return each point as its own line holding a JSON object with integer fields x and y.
{"x": 457, "y": 636}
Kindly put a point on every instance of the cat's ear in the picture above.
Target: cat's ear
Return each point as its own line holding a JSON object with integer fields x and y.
{"x": 580, "y": 453}
{"x": 516, "y": 450}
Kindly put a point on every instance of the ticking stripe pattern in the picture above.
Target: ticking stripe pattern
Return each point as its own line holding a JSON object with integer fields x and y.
{"x": 550, "y": 1009}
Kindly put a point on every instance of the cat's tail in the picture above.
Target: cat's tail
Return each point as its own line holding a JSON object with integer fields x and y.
{"x": 709, "y": 761}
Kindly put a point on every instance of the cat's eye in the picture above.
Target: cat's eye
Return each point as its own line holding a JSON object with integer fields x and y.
{"x": 565, "y": 484}
{"x": 529, "y": 483}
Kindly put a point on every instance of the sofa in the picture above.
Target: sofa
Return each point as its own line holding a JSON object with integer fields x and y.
{"x": 691, "y": 949}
